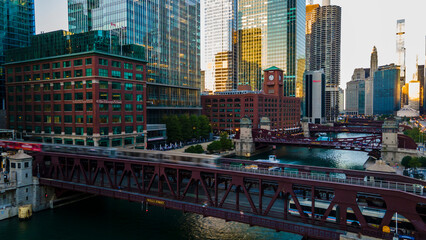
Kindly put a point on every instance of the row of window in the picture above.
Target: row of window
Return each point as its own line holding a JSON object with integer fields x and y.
{"x": 90, "y": 142}
{"x": 77, "y": 85}
{"x": 79, "y": 119}
{"x": 273, "y": 100}
{"x": 81, "y": 131}
{"x": 79, "y": 107}
{"x": 77, "y": 96}
{"x": 76, "y": 63}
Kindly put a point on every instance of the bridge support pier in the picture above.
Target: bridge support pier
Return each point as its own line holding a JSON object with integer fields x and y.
{"x": 305, "y": 127}
{"x": 245, "y": 146}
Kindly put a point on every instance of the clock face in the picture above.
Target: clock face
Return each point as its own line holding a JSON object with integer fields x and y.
{"x": 271, "y": 77}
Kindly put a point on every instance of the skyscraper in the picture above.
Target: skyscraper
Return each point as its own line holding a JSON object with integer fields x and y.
{"x": 18, "y": 24}
{"x": 355, "y": 92}
{"x": 272, "y": 33}
{"x": 386, "y": 90}
{"x": 400, "y": 46}
{"x": 170, "y": 32}
{"x": 369, "y": 83}
{"x": 220, "y": 45}
{"x": 324, "y": 51}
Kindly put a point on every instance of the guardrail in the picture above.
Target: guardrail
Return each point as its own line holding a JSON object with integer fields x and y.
{"x": 410, "y": 188}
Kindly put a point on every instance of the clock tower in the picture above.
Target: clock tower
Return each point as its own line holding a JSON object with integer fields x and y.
{"x": 273, "y": 81}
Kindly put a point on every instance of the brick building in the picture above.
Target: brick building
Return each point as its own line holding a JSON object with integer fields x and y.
{"x": 225, "y": 109}
{"x": 88, "y": 96}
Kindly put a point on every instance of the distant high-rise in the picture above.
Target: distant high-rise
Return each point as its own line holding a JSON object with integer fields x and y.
{"x": 400, "y": 46}
{"x": 314, "y": 102}
{"x": 386, "y": 90}
{"x": 324, "y": 46}
{"x": 272, "y": 33}
{"x": 220, "y": 45}
{"x": 369, "y": 83}
{"x": 170, "y": 33}
{"x": 355, "y": 92}
{"x": 17, "y": 25}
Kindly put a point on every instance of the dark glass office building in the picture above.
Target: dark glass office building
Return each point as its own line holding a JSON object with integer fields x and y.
{"x": 17, "y": 24}
{"x": 386, "y": 90}
{"x": 170, "y": 33}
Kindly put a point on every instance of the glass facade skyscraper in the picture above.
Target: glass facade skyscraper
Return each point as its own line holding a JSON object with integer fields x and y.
{"x": 17, "y": 24}
{"x": 272, "y": 33}
{"x": 169, "y": 31}
{"x": 220, "y": 45}
{"x": 386, "y": 90}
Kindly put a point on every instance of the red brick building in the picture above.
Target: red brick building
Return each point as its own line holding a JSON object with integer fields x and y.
{"x": 91, "y": 98}
{"x": 225, "y": 109}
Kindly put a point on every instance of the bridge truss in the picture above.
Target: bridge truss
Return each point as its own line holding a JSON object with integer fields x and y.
{"x": 282, "y": 200}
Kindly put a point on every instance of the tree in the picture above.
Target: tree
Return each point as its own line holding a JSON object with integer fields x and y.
{"x": 214, "y": 147}
{"x": 414, "y": 163}
{"x": 195, "y": 126}
{"x": 406, "y": 161}
{"x": 174, "y": 128}
{"x": 422, "y": 160}
{"x": 195, "y": 149}
{"x": 205, "y": 127}
{"x": 186, "y": 127}
{"x": 225, "y": 142}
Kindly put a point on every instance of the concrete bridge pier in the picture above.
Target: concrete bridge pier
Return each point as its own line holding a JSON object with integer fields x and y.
{"x": 245, "y": 146}
{"x": 305, "y": 128}
{"x": 390, "y": 151}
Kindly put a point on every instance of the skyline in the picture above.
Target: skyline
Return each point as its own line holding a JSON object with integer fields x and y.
{"x": 358, "y": 34}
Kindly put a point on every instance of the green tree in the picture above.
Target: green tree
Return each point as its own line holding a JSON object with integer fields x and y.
{"x": 174, "y": 129}
{"x": 195, "y": 126}
{"x": 186, "y": 127}
{"x": 415, "y": 163}
{"x": 406, "y": 161}
{"x": 205, "y": 127}
{"x": 195, "y": 149}
{"x": 225, "y": 142}
{"x": 214, "y": 147}
{"x": 422, "y": 160}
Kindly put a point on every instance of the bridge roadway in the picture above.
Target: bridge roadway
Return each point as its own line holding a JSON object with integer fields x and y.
{"x": 340, "y": 127}
{"x": 280, "y": 200}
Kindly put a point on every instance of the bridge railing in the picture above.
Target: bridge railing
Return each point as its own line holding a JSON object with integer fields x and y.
{"x": 410, "y": 188}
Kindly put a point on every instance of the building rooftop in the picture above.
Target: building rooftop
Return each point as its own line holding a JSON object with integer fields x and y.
{"x": 273, "y": 68}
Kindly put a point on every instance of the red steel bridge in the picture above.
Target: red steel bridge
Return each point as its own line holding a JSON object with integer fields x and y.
{"x": 344, "y": 127}
{"x": 366, "y": 144}
{"x": 319, "y": 203}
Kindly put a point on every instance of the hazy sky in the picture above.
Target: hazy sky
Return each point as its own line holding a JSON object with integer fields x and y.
{"x": 365, "y": 23}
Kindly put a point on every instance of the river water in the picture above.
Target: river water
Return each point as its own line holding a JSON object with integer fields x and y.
{"x": 112, "y": 219}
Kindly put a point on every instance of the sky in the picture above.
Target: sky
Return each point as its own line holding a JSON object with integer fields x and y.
{"x": 365, "y": 23}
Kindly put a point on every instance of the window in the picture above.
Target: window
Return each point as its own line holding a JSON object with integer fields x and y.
{"x": 89, "y": 132}
{"x": 128, "y": 129}
{"x": 67, "y": 64}
{"x": 37, "y": 129}
{"x": 128, "y": 118}
{"x": 128, "y": 86}
{"x": 139, "y": 118}
{"x": 103, "y": 84}
{"x": 89, "y": 72}
{"x": 67, "y": 107}
{"x": 116, "y": 96}
{"x": 128, "y": 75}
{"x": 88, "y": 61}
{"x": 115, "y": 64}
{"x": 36, "y": 76}
{"x": 116, "y": 107}
{"x": 67, "y": 96}
{"x": 78, "y": 107}
{"x": 116, "y": 85}
{"x": 103, "y": 95}
{"x": 46, "y": 97}
{"x": 103, "y": 107}
{"x": 28, "y": 118}
{"x": 89, "y": 107}
{"x": 68, "y": 130}
{"x": 46, "y": 66}
{"x": 57, "y": 130}
{"x": 89, "y": 84}
{"x": 103, "y": 119}
{"x": 46, "y": 87}
{"x": 103, "y": 72}
{"x": 115, "y": 74}
{"x": 56, "y": 65}
{"x": 57, "y": 97}
{"x": 78, "y": 85}
{"x": 18, "y": 69}
{"x": 79, "y": 119}
{"x": 57, "y": 107}
{"x": 139, "y": 76}
{"x": 37, "y": 98}
{"x": 47, "y": 119}
{"x": 28, "y": 108}
{"x": 78, "y": 73}
{"x": 128, "y": 107}
{"x": 128, "y": 97}
{"x": 36, "y": 67}
{"x": 139, "y": 128}
{"x": 78, "y": 62}
{"x": 139, "y": 107}
{"x": 56, "y": 75}
{"x": 104, "y": 131}
{"x": 67, "y": 119}
{"x": 116, "y": 130}
{"x": 89, "y": 119}
{"x": 26, "y": 78}
{"x": 57, "y": 119}
{"x": 47, "y": 107}
{"x": 46, "y": 76}
{"x": 139, "y": 68}
{"x": 79, "y": 131}
{"x": 37, "y": 108}
{"x": 128, "y": 66}
{"x": 139, "y": 87}
{"x": 89, "y": 95}
{"x": 78, "y": 96}
{"x": 139, "y": 97}
{"x": 67, "y": 85}
{"x": 103, "y": 62}
{"x": 67, "y": 74}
